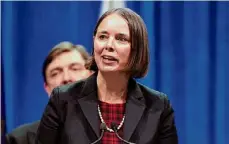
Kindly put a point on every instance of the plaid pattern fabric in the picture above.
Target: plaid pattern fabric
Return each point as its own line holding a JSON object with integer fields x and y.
{"x": 112, "y": 113}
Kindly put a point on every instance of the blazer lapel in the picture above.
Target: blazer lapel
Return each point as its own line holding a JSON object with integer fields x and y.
{"x": 135, "y": 107}
{"x": 89, "y": 103}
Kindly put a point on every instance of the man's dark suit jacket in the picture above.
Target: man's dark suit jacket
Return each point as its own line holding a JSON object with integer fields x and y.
{"x": 24, "y": 134}
{"x": 71, "y": 116}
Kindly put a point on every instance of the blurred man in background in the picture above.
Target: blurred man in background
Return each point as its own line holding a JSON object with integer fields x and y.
{"x": 64, "y": 64}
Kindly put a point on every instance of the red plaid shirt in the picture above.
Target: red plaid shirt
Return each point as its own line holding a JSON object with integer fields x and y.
{"x": 112, "y": 113}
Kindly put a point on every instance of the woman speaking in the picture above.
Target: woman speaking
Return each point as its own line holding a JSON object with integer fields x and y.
{"x": 110, "y": 107}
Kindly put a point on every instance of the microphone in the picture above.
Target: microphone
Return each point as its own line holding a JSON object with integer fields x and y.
{"x": 114, "y": 128}
{"x": 103, "y": 128}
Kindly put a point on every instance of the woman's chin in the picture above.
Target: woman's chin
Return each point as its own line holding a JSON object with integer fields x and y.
{"x": 108, "y": 70}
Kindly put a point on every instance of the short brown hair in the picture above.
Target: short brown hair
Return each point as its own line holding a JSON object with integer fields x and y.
{"x": 139, "y": 56}
{"x": 60, "y": 48}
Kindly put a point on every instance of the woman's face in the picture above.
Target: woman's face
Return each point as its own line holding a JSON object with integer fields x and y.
{"x": 112, "y": 44}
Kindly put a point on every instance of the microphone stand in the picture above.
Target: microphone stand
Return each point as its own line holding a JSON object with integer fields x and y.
{"x": 114, "y": 127}
{"x": 103, "y": 128}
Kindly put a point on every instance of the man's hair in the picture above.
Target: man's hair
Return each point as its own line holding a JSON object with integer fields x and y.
{"x": 139, "y": 56}
{"x": 60, "y": 48}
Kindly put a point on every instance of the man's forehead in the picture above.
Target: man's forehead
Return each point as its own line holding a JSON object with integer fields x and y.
{"x": 66, "y": 59}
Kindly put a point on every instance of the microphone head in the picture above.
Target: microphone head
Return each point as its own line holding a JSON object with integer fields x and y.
{"x": 103, "y": 126}
{"x": 114, "y": 126}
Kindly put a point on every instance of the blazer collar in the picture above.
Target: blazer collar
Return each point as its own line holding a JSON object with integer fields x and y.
{"x": 135, "y": 105}
{"x": 89, "y": 102}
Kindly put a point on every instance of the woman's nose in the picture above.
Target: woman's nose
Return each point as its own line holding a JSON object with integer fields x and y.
{"x": 110, "y": 45}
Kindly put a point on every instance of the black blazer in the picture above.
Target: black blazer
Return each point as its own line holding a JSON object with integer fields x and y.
{"x": 24, "y": 134}
{"x": 71, "y": 115}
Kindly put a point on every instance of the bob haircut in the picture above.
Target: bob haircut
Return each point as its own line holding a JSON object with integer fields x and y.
{"x": 138, "y": 63}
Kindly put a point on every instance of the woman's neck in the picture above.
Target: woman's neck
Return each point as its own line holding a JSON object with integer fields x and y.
{"x": 112, "y": 87}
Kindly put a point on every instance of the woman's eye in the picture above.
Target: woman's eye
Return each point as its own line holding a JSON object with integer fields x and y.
{"x": 102, "y": 37}
{"x": 122, "y": 39}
